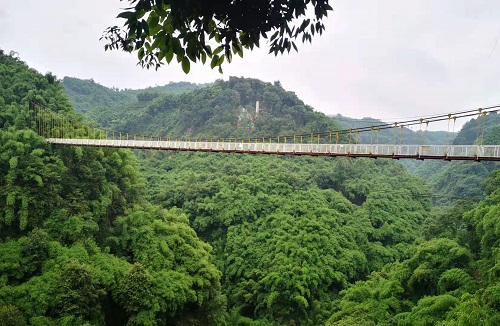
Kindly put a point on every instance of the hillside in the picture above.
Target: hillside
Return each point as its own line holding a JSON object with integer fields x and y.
{"x": 455, "y": 180}
{"x": 224, "y": 109}
{"x": 77, "y": 234}
{"x": 485, "y": 130}
{"x": 273, "y": 222}
{"x": 97, "y": 236}
{"x": 449, "y": 181}
{"x": 87, "y": 94}
{"x": 386, "y": 136}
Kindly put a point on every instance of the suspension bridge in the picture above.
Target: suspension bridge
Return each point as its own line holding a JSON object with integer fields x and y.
{"x": 59, "y": 129}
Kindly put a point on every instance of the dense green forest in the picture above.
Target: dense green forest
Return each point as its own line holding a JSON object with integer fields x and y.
{"x": 80, "y": 243}
{"x": 452, "y": 180}
{"x": 388, "y": 136}
{"x": 224, "y": 109}
{"x": 112, "y": 237}
{"x": 448, "y": 181}
{"x": 87, "y": 95}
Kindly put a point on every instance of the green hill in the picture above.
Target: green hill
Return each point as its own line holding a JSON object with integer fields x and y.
{"x": 99, "y": 236}
{"x": 449, "y": 181}
{"x": 453, "y": 180}
{"x": 223, "y": 109}
{"x": 387, "y": 136}
{"x": 484, "y": 130}
{"x": 87, "y": 94}
{"x": 77, "y": 235}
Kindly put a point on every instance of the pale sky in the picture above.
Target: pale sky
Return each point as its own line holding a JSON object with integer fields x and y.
{"x": 386, "y": 59}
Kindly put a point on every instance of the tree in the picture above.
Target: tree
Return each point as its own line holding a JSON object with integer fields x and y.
{"x": 11, "y": 316}
{"x": 136, "y": 290}
{"x": 159, "y": 29}
{"x": 80, "y": 292}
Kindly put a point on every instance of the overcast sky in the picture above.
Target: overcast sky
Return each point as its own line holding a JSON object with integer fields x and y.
{"x": 386, "y": 59}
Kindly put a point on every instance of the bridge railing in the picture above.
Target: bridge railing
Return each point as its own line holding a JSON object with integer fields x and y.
{"x": 415, "y": 151}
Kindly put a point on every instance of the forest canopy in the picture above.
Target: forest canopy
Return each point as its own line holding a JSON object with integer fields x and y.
{"x": 101, "y": 236}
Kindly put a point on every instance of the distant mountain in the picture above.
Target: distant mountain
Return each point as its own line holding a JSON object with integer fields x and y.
{"x": 240, "y": 107}
{"x": 86, "y": 94}
{"x": 387, "y": 136}
{"x": 453, "y": 180}
{"x": 485, "y": 129}
{"x": 243, "y": 107}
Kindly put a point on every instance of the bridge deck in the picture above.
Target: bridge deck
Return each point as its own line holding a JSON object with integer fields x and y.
{"x": 441, "y": 152}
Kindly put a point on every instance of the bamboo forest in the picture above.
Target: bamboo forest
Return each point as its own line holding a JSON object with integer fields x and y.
{"x": 104, "y": 236}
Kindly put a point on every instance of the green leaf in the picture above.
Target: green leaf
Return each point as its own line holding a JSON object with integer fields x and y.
{"x": 140, "y": 54}
{"x": 126, "y": 14}
{"x": 169, "y": 55}
{"x": 215, "y": 60}
{"x": 180, "y": 57}
{"x": 153, "y": 21}
{"x": 218, "y": 49}
{"x": 274, "y": 36}
{"x": 145, "y": 27}
{"x": 186, "y": 65}
{"x": 160, "y": 55}
{"x": 229, "y": 55}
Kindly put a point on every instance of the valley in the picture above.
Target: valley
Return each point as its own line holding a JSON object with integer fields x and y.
{"x": 102, "y": 236}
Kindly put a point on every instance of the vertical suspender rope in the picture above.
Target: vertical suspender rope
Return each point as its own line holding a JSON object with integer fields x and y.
{"x": 426, "y": 128}
{"x": 394, "y": 146}
{"x": 482, "y": 132}
{"x": 478, "y": 124}
{"x": 37, "y": 121}
{"x": 452, "y": 138}
{"x": 42, "y": 123}
{"x": 350, "y": 135}
{"x": 50, "y": 125}
{"x": 419, "y": 136}
{"x": 447, "y": 132}
{"x": 477, "y": 131}
{"x": 45, "y": 124}
{"x": 371, "y": 140}
{"x": 400, "y": 139}
{"x": 453, "y": 134}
